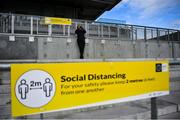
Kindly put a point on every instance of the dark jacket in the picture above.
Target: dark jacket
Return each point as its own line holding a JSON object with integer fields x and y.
{"x": 80, "y": 34}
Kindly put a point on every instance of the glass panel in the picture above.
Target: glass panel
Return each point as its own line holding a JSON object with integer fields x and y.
{"x": 163, "y": 34}
{"x": 173, "y": 35}
{"x": 42, "y": 28}
{"x": 140, "y": 33}
{"x": 22, "y": 24}
{"x": 124, "y": 32}
{"x": 94, "y": 30}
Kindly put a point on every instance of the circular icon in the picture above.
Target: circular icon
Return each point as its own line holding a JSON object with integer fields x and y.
{"x": 35, "y": 88}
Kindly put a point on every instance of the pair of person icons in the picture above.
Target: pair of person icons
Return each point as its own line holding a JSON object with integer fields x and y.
{"x": 23, "y": 88}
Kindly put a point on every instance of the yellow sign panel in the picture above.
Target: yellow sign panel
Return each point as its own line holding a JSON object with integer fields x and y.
{"x": 57, "y": 21}
{"x": 39, "y": 88}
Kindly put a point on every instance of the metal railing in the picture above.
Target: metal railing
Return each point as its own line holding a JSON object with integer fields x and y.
{"x": 6, "y": 64}
{"x": 26, "y": 25}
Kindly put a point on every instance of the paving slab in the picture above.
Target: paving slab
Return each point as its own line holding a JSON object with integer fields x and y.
{"x": 175, "y": 115}
{"x": 174, "y": 97}
{"x": 130, "y": 110}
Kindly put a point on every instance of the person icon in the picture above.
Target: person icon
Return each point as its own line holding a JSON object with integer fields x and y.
{"x": 47, "y": 87}
{"x": 23, "y": 88}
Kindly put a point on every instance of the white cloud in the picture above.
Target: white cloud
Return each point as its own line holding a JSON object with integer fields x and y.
{"x": 149, "y": 8}
{"x": 177, "y": 21}
{"x": 175, "y": 24}
{"x": 147, "y": 12}
{"x": 125, "y": 1}
{"x": 145, "y": 8}
{"x": 141, "y": 4}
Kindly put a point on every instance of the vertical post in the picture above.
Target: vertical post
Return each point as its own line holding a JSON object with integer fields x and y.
{"x": 12, "y": 24}
{"x": 168, "y": 35}
{"x": 49, "y": 39}
{"x": 146, "y": 42}
{"x": 154, "y": 111}
{"x": 134, "y": 44}
{"x": 178, "y": 33}
{"x": 102, "y": 32}
{"x": 41, "y": 116}
{"x": 68, "y": 30}
{"x": 172, "y": 35}
{"x": 173, "y": 56}
{"x": 132, "y": 33}
{"x": 86, "y": 28}
{"x": 145, "y": 34}
{"x": 64, "y": 30}
{"x": 118, "y": 32}
{"x": 2, "y": 23}
{"x": 37, "y": 27}
{"x": 9, "y": 23}
{"x": 152, "y": 34}
{"x": 31, "y": 25}
{"x": 157, "y": 30}
{"x": 5, "y": 25}
{"x": 76, "y": 25}
{"x": 49, "y": 30}
{"x": 99, "y": 30}
{"x": 136, "y": 34}
{"x": 109, "y": 31}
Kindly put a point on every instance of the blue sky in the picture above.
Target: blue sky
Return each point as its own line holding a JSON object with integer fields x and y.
{"x": 157, "y": 13}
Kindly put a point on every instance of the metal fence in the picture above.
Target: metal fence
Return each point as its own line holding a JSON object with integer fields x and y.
{"x": 16, "y": 24}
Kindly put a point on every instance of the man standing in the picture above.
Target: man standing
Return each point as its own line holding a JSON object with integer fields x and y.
{"x": 80, "y": 40}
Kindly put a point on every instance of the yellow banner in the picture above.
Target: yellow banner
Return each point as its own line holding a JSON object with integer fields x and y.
{"x": 57, "y": 21}
{"x": 39, "y": 88}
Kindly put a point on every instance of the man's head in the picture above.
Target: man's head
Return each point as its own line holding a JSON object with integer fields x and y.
{"x": 78, "y": 26}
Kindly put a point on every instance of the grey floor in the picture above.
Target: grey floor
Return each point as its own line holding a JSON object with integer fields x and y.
{"x": 168, "y": 108}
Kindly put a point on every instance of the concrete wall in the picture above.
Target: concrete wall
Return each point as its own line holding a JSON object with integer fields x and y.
{"x": 66, "y": 48}
{"x": 21, "y": 48}
{"x": 176, "y": 48}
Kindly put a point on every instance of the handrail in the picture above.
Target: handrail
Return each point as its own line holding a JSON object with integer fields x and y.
{"x": 5, "y": 64}
{"x": 83, "y": 20}
{"x": 82, "y": 60}
{"x": 87, "y": 24}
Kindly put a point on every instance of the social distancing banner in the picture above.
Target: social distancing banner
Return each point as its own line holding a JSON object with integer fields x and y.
{"x": 39, "y": 88}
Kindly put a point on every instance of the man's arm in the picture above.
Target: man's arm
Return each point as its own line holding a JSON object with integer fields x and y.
{"x": 76, "y": 32}
{"x": 84, "y": 30}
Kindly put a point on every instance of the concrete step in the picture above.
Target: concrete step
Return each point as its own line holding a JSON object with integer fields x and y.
{"x": 174, "y": 98}
{"x": 130, "y": 110}
{"x": 167, "y": 105}
{"x": 175, "y": 115}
